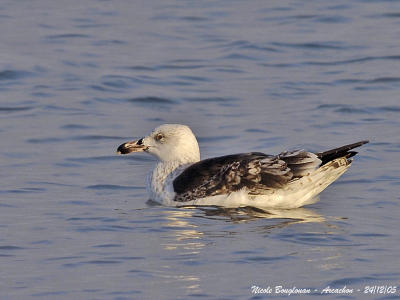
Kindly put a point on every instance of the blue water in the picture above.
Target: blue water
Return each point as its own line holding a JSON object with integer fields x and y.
{"x": 79, "y": 78}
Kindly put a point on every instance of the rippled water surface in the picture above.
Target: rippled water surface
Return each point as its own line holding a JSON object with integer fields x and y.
{"x": 78, "y": 78}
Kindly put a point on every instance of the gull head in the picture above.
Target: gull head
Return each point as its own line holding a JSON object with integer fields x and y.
{"x": 168, "y": 142}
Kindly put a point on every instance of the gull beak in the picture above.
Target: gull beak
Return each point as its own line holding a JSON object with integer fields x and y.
{"x": 134, "y": 146}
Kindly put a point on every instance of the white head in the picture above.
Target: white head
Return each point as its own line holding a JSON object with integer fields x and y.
{"x": 168, "y": 142}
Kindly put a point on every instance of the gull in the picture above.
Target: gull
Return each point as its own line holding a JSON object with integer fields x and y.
{"x": 287, "y": 180}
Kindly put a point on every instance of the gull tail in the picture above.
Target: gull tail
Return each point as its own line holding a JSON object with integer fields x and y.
{"x": 343, "y": 151}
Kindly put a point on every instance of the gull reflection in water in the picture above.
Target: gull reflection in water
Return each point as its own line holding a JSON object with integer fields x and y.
{"x": 321, "y": 242}
{"x": 181, "y": 216}
{"x": 187, "y": 236}
{"x": 246, "y": 214}
{"x": 185, "y": 242}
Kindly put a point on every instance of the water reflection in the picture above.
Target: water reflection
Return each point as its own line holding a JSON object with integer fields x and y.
{"x": 246, "y": 214}
{"x": 187, "y": 237}
{"x": 184, "y": 240}
{"x": 180, "y": 217}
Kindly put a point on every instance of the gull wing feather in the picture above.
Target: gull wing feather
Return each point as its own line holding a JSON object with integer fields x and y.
{"x": 254, "y": 171}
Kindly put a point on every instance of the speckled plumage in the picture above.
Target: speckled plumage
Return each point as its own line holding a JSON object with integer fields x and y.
{"x": 256, "y": 172}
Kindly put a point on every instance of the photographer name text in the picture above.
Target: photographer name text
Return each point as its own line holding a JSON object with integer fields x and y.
{"x": 344, "y": 290}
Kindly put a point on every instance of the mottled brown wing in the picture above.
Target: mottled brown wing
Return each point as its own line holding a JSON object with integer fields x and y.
{"x": 257, "y": 172}
{"x": 223, "y": 175}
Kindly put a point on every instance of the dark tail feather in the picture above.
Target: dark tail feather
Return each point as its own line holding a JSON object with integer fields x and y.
{"x": 329, "y": 155}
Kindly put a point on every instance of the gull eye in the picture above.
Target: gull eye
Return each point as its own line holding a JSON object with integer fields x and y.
{"x": 159, "y": 137}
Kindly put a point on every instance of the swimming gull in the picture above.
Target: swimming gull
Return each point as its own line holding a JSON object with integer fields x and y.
{"x": 290, "y": 179}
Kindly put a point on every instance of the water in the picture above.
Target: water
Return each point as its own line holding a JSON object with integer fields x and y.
{"x": 78, "y": 79}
